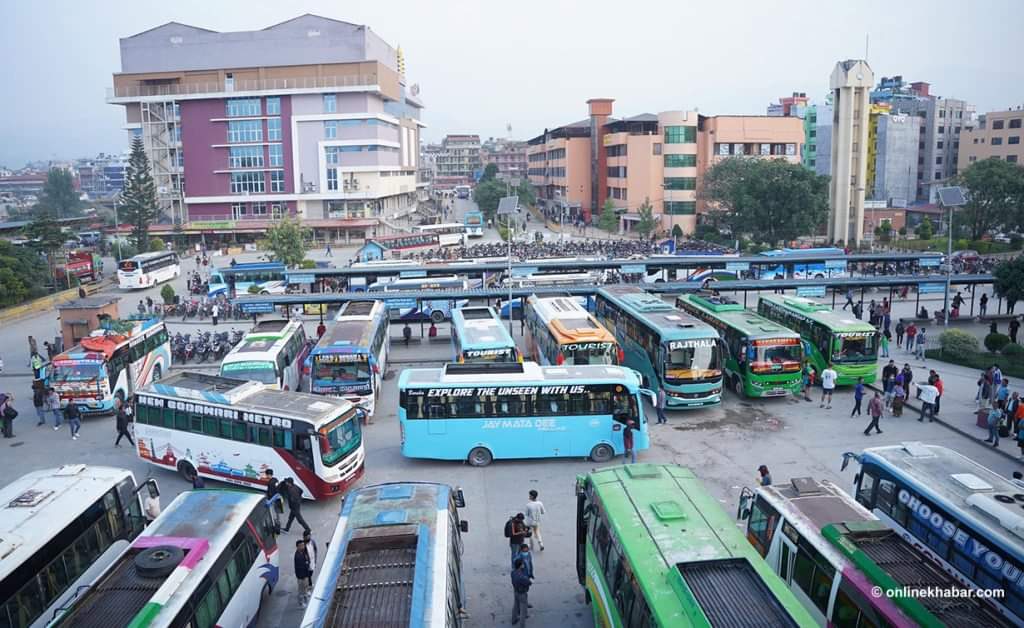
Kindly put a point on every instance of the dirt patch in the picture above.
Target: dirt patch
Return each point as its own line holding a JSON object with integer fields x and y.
{"x": 745, "y": 416}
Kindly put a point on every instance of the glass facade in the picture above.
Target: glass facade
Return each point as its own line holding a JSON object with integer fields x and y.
{"x": 330, "y": 103}
{"x": 680, "y": 183}
{"x": 330, "y": 129}
{"x": 680, "y": 134}
{"x": 245, "y": 157}
{"x": 276, "y": 155}
{"x": 274, "y": 129}
{"x": 277, "y": 181}
{"x": 680, "y": 208}
{"x": 243, "y": 107}
{"x": 680, "y": 161}
{"x": 274, "y": 106}
{"x": 247, "y": 182}
{"x": 245, "y": 131}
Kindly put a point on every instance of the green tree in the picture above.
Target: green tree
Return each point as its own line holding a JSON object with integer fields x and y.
{"x": 157, "y": 244}
{"x": 995, "y": 196}
{"x": 487, "y": 195}
{"x": 1008, "y": 279}
{"x": 609, "y": 219}
{"x": 138, "y": 199}
{"x": 59, "y": 196}
{"x": 925, "y": 231}
{"x": 23, "y": 274}
{"x": 645, "y": 226}
{"x": 490, "y": 173}
{"x": 525, "y": 191}
{"x": 677, "y": 231}
{"x": 884, "y": 231}
{"x": 286, "y": 240}
{"x": 771, "y": 199}
{"x": 47, "y": 236}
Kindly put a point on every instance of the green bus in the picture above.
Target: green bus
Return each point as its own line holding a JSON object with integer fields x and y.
{"x": 762, "y": 358}
{"x": 654, "y": 549}
{"x": 830, "y": 337}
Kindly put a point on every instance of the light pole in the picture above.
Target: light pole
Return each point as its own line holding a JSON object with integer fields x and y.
{"x": 507, "y": 207}
{"x": 952, "y": 196}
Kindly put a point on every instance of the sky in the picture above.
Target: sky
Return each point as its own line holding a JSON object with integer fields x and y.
{"x": 482, "y": 66}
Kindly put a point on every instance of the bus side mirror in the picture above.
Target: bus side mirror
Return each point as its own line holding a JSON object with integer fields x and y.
{"x": 464, "y": 526}
{"x": 153, "y": 487}
{"x": 460, "y": 498}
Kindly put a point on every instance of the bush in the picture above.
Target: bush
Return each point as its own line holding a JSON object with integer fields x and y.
{"x": 1014, "y": 352}
{"x": 957, "y": 343}
{"x": 254, "y": 289}
{"x": 156, "y": 244}
{"x": 995, "y": 342}
{"x": 167, "y": 294}
{"x": 307, "y": 263}
{"x": 126, "y": 251}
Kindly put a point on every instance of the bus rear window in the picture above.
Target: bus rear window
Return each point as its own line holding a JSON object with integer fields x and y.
{"x": 128, "y": 266}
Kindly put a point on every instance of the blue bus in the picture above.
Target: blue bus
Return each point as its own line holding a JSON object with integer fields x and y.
{"x": 668, "y": 347}
{"x": 435, "y": 310}
{"x": 479, "y": 412}
{"x": 479, "y": 336}
{"x": 351, "y": 358}
{"x": 395, "y": 559}
{"x": 267, "y": 277}
{"x": 474, "y": 221}
{"x": 813, "y": 270}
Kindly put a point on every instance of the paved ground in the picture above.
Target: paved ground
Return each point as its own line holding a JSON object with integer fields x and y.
{"x": 723, "y": 445}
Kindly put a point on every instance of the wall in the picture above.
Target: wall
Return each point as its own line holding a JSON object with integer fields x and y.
{"x": 896, "y": 161}
{"x": 201, "y": 159}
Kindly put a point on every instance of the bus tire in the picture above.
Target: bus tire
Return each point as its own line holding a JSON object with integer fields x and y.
{"x": 736, "y": 386}
{"x": 159, "y": 561}
{"x": 187, "y": 471}
{"x": 602, "y": 453}
{"x": 480, "y": 457}
{"x": 437, "y": 316}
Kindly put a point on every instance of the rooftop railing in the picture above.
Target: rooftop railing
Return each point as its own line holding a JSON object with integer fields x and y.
{"x": 240, "y": 85}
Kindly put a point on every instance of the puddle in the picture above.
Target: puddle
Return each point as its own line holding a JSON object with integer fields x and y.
{"x": 747, "y": 417}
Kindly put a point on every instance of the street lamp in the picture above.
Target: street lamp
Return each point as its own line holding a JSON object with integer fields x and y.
{"x": 952, "y": 196}
{"x": 507, "y": 207}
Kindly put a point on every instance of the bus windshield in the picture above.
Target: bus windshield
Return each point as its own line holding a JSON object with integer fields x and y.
{"x": 776, "y": 358}
{"x": 259, "y": 371}
{"x": 342, "y": 372}
{"x": 855, "y": 348}
{"x": 339, "y": 438}
{"x": 128, "y": 266}
{"x": 75, "y": 373}
{"x": 693, "y": 362}
{"x": 589, "y": 353}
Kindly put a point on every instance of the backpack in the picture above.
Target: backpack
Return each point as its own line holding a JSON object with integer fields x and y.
{"x": 508, "y": 529}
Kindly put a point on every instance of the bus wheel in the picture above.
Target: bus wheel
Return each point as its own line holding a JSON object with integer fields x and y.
{"x": 437, "y": 316}
{"x": 601, "y": 453}
{"x": 480, "y": 457}
{"x": 736, "y": 386}
{"x": 157, "y": 373}
{"x": 187, "y": 471}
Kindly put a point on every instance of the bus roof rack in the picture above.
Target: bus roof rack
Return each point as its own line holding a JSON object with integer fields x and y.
{"x": 496, "y": 368}
{"x": 730, "y": 592}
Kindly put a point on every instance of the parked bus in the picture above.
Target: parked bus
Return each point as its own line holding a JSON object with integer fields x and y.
{"x": 259, "y": 277}
{"x": 448, "y": 233}
{"x": 955, "y": 511}
{"x": 113, "y": 361}
{"x": 559, "y": 331}
{"x": 231, "y": 430}
{"x": 383, "y": 570}
{"x": 273, "y": 353}
{"x": 351, "y": 358}
{"x": 59, "y": 529}
{"x": 829, "y": 337}
{"x": 669, "y": 348}
{"x": 479, "y": 412}
{"x": 831, "y": 551}
{"x": 655, "y": 549}
{"x": 148, "y": 269}
{"x": 479, "y": 336}
{"x": 474, "y": 222}
{"x": 462, "y": 191}
{"x": 210, "y": 559}
{"x": 436, "y": 310}
{"x": 762, "y": 358}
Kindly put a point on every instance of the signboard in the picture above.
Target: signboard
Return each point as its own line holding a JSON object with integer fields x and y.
{"x": 412, "y": 273}
{"x": 835, "y": 264}
{"x": 633, "y": 269}
{"x": 926, "y": 262}
{"x": 523, "y": 271}
{"x": 400, "y": 304}
{"x": 211, "y": 224}
{"x": 735, "y": 266}
{"x": 930, "y": 288}
{"x": 258, "y": 307}
{"x": 810, "y": 291}
{"x": 298, "y": 278}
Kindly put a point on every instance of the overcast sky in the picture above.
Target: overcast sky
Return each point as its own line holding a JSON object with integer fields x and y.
{"x": 482, "y": 65}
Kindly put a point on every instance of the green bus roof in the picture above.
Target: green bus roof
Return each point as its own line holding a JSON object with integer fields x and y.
{"x": 675, "y": 535}
{"x": 670, "y": 322}
{"x": 824, "y": 314}
{"x": 747, "y": 322}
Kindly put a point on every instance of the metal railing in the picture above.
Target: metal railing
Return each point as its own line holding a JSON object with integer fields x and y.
{"x": 240, "y": 85}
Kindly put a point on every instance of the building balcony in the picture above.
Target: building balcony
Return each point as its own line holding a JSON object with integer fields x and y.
{"x": 176, "y": 91}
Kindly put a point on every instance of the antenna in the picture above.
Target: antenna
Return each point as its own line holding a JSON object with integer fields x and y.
{"x": 867, "y": 42}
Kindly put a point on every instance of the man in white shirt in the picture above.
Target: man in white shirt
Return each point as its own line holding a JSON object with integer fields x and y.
{"x": 828, "y": 386}
{"x": 927, "y": 394}
{"x": 534, "y": 512}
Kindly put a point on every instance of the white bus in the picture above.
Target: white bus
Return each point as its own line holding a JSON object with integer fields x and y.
{"x": 148, "y": 269}
{"x": 448, "y": 233}
{"x": 59, "y": 529}
{"x": 231, "y": 430}
{"x": 351, "y": 358}
{"x": 436, "y": 310}
{"x": 210, "y": 559}
{"x": 272, "y": 353}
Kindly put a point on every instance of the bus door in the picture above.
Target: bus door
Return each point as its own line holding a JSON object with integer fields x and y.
{"x": 554, "y": 428}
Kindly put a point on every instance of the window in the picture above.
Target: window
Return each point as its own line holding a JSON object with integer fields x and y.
{"x": 332, "y": 179}
{"x": 245, "y": 157}
{"x": 1013, "y": 139}
{"x": 277, "y": 181}
{"x": 259, "y": 209}
{"x": 330, "y": 129}
{"x": 1011, "y": 158}
{"x": 238, "y": 211}
{"x": 763, "y": 520}
{"x": 938, "y": 176}
{"x": 942, "y": 113}
{"x": 243, "y": 107}
{"x": 616, "y": 171}
{"x": 657, "y": 148}
{"x": 276, "y": 155}
{"x": 813, "y": 574}
{"x": 938, "y": 160}
{"x": 618, "y": 150}
{"x": 997, "y": 141}
{"x": 245, "y": 131}
{"x": 939, "y": 144}
{"x": 274, "y": 129}
{"x": 680, "y": 183}
{"x": 941, "y": 130}
{"x": 274, "y": 106}
{"x": 275, "y": 211}
{"x": 998, "y": 124}
{"x": 680, "y": 161}
{"x": 247, "y": 182}
{"x": 1015, "y": 123}
{"x": 330, "y": 103}
{"x": 680, "y": 134}
{"x": 680, "y": 208}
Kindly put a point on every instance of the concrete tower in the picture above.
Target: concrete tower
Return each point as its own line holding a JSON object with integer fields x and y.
{"x": 851, "y": 84}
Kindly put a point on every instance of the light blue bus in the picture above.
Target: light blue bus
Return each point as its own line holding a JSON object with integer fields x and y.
{"x": 668, "y": 347}
{"x": 814, "y": 270}
{"x": 474, "y": 221}
{"x": 268, "y": 277}
{"x": 351, "y": 358}
{"x": 435, "y": 310}
{"x": 395, "y": 559}
{"x": 479, "y": 336}
{"x": 479, "y": 412}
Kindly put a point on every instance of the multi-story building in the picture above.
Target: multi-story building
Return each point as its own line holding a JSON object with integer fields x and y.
{"x": 459, "y": 157}
{"x": 559, "y": 168}
{"x": 508, "y": 155}
{"x": 851, "y": 82}
{"x": 893, "y": 170}
{"x": 818, "y": 156}
{"x": 794, "y": 106}
{"x": 996, "y": 134}
{"x": 310, "y": 117}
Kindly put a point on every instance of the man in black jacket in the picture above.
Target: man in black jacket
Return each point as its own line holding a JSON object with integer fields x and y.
{"x": 521, "y": 589}
{"x": 122, "y": 423}
{"x": 293, "y": 495}
{"x": 303, "y": 573}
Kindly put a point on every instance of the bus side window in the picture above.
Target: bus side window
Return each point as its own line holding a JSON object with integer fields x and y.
{"x": 866, "y": 490}
{"x": 814, "y": 575}
{"x": 763, "y": 520}
{"x": 602, "y": 542}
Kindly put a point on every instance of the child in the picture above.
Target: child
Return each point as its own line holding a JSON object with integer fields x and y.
{"x": 898, "y": 396}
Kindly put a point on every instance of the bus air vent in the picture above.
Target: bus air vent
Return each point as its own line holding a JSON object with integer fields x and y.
{"x": 29, "y": 499}
{"x": 971, "y": 482}
{"x": 806, "y": 486}
{"x": 69, "y": 469}
{"x": 643, "y": 471}
{"x": 917, "y": 449}
{"x": 668, "y": 511}
{"x": 1007, "y": 518}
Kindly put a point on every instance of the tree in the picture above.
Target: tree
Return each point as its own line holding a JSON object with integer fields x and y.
{"x": 924, "y": 230}
{"x": 1008, "y": 279}
{"x": 23, "y": 274}
{"x": 884, "y": 231}
{"x": 286, "y": 240}
{"x": 525, "y": 191}
{"x": 487, "y": 194}
{"x": 490, "y": 173}
{"x": 677, "y": 231}
{"x": 138, "y": 199}
{"x": 609, "y": 219}
{"x": 647, "y": 223}
{"x": 771, "y": 199}
{"x": 995, "y": 196}
{"x": 59, "y": 196}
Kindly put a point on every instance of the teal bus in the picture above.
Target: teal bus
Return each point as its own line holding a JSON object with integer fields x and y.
{"x": 668, "y": 347}
{"x": 762, "y": 358}
{"x": 848, "y": 344}
{"x": 654, "y": 549}
{"x": 479, "y": 336}
{"x": 479, "y": 412}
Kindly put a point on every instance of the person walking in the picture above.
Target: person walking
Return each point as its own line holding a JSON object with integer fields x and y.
{"x": 995, "y": 418}
{"x": 849, "y": 298}
{"x": 875, "y": 410}
{"x": 53, "y": 405}
{"x": 215, "y": 312}
{"x": 764, "y": 476}
{"x": 293, "y": 495}
{"x": 122, "y": 424}
{"x": 521, "y": 590}
{"x": 900, "y": 330}
{"x": 406, "y": 334}
{"x": 828, "y": 386}
{"x": 7, "y": 414}
{"x": 627, "y": 442}
{"x": 806, "y": 375}
{"x": 328, "y": 251}
{"x": 899, "y": 396}
{"x": 927, "y": 394}
{"x": 36, "y": 362}
{"x": 908, "y": 379}
{"x": 983, "y": 305}
{"x": 74, "y": 419}
{"x": 911, "y": 333}
{"x": 516, "y": 532}
{"x": 858, "y": 396}
{"x": 303, "y": 573}
{"x": 39, "y": 400}
{"x": 919, "y": 343}
{"x": 534, "y": 514}
{"x": 884, "y": 343}
{"x": 660, "y": 405}
{"x": 311, "y": 550}
{"x": 1014, "y": 328}
{"x": 939, "y": 386}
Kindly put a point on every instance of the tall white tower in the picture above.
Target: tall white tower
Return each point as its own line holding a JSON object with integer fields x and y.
{"x": 851, "y": 84}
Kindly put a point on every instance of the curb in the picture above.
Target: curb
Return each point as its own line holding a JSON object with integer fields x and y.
{"x": 958, "y": 430}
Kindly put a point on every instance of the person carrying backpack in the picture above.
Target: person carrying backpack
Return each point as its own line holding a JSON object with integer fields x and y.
{"x": 516, "y": 531}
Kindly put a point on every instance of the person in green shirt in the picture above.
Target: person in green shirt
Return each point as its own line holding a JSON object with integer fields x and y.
{"x": 885, "y": 343}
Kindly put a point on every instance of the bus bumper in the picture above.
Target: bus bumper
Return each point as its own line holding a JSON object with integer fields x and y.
{"x": 87, "y": 406}
{"x": 848, "y": 374}
{"x": 683, "y": 401}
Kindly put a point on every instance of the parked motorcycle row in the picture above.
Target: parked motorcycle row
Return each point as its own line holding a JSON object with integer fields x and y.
{"x": 205, "y": 346}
